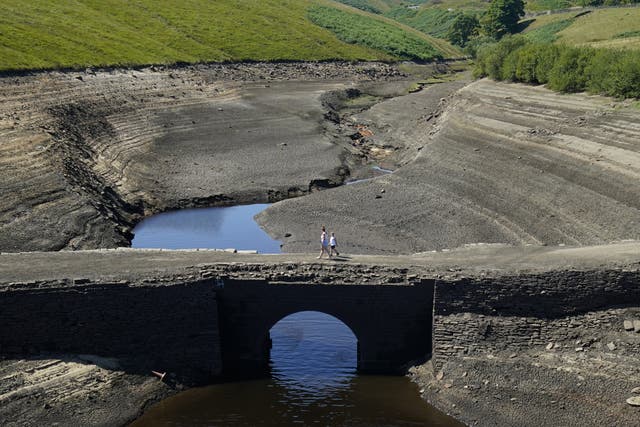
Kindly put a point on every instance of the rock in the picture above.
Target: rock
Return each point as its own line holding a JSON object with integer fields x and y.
{"x": 550, "y": 346}
{"x": 634, "y": 401}
{"x": 636, "y": 326}
{"x": 636, "y": 390}
{"x": 440, "y": 376}
{"x": 611, "y": 346}
{"x": 579, "y": 349}
{"x": 628, "y": 325}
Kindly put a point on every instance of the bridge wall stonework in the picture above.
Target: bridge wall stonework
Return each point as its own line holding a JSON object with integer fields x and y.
{"x": 575, "y": 309}
{"x": 204, "y": 328}
{"x": 170, "y": 328}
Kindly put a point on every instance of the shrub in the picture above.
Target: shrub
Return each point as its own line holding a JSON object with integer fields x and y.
{"x": 625, "y": 75}
{"x": 568, "y": 72}
{"x": 564, "y": 68}
{"x": 490, "y": 57}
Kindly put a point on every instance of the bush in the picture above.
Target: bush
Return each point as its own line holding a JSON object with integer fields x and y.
{"x": 490, "y": 57}
{"x": 625, "y": 75}
{"x": 564, "y": 68}
{"x": 568, "y": 72}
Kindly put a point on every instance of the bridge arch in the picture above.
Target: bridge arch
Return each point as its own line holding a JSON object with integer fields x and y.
{"x": 313, "y": 333}
{"x": 392, "y": 323}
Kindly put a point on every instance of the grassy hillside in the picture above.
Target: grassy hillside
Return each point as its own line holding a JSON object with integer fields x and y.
{"x": 380, "y": 6}
{"x": 381, "y": 32}
{"x": 618, "y": 28}
{"x": 77, "y": 33}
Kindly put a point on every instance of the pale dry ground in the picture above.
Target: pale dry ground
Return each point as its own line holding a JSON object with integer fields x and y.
{"x": 84, "y": 155}
{"x": 501, "y": 163}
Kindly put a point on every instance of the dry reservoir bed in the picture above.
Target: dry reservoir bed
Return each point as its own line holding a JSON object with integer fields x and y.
{"x": 85, "y": 155}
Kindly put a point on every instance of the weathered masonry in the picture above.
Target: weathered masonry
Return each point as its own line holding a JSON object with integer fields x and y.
{"x": 206, "y": 328}
{"x": 203, "y": 322}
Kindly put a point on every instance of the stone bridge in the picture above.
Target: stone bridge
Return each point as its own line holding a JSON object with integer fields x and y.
{"x": 200, "y": 329}
{"x": 201, "y": 315}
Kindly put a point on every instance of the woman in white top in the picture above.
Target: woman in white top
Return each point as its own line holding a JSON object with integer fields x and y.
{"x": 324, "y": 244}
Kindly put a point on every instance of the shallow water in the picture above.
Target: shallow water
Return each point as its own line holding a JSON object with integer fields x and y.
{"x": 313, "y": 382}
{"x": 206, "y": 228}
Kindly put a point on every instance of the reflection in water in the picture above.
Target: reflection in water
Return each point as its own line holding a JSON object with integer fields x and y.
{"x": 211, "y": 228}
{"x": 313, "y": 383}
{"x": 314, "y": 358}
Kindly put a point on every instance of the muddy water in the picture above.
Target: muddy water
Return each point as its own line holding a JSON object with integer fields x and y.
{"x": 206, "y": 228}
{"x": 313, "y": 382}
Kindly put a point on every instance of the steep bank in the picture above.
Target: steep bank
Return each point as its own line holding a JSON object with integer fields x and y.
{"x": 488, "y": 162}
{"x": 85, "y": 155}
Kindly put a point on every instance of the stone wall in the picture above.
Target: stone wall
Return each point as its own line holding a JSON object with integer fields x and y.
{"x": 169, "y": 327}
{"x": 576, "y": 309}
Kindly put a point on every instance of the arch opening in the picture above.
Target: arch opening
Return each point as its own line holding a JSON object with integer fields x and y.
{"x": 313, "y": 355}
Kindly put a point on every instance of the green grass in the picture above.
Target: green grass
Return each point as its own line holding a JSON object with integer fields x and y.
{"x": 46, "y": 34}
{"x": 548, "y": 33}
{"x": 538, "y": 5}
{"x": 380, "y": 6}
{"x": 365, "y": 5}
{"x": 601, "y": 25}
{"x": 606, "y": 28}
{"x": 627, "y": 34}
{"x": 375, "y": 33}
{"x": 433, "y": 21}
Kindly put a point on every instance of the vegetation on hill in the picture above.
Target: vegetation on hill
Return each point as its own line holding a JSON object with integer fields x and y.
{"x": 434, "y": 21}
{"x": 44, "y": 34}
{"x": 561, "y": 67}
{"x": 598, "y": 28}
{"x": 549, "y": 33}
{"x": 381, "y": 6}
{"x": 375, "y": 33}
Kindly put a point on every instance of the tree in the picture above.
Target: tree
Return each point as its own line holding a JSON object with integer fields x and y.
{"x": 502, "y": 17}
{"x": 462, "y": 29}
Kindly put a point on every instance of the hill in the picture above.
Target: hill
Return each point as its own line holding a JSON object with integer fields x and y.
{"x": 46, "y": 34}
{"x": 611, "y": 28}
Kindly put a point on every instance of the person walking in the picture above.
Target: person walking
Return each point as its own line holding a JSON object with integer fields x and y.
{"x": 324, "y": 242}
{"x": 332, "y": 244}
